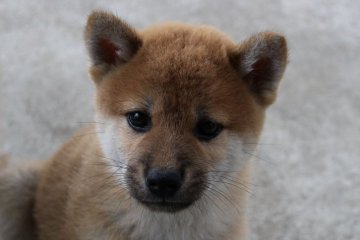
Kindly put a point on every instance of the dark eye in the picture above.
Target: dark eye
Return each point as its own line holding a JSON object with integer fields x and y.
{"x": 207, "y": 129}
{"x": 139, "y": 121}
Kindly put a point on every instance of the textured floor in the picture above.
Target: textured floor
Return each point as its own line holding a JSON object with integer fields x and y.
{"x": 308, "y": 170}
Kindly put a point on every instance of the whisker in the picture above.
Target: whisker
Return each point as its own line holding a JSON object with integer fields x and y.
{"x": 90, "y": 122}
{"x": 239, "y": 181}
{"x": 213, "y": 201}
{"x": 86, "y": 134}
{"x": 234, "y": 185}
{"x": 218, "y": 191}
{"x": 260, "y": 158}
{"x": 105, "y": 164}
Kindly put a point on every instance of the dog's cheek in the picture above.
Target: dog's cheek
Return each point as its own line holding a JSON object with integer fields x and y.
{"x": 120, "y": 147}
{"x": 216, "y": 150}
{"x": 105, "y": 131}
{"x": 114, "y": 138}
{"x": 232, "y": 157}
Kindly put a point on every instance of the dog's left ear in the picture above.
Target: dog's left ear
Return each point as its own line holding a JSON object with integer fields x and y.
{"x": 261, "y": 62}
{"x": 110, "y": 41}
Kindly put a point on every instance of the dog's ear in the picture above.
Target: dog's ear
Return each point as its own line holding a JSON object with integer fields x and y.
{"x": 261, "y": 62}
{"x": 110, "y": 42}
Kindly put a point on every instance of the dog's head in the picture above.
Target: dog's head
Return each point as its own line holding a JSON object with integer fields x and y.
{"x": 177, "y": 105}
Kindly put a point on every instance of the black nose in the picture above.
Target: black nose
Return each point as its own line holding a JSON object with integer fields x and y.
{"x": 163, "y": 183}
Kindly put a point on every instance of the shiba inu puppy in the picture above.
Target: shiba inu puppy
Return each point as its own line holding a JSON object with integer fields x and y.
{"x": 179, "y": 110}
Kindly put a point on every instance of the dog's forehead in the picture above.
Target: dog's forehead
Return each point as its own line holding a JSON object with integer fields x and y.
{"x": 185, "y": 64}
{"x": 185, "y": 50}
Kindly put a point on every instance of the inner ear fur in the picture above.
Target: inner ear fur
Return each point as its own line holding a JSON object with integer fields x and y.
{"x": 261, "y": 61}
{"x": 110, "y": 42}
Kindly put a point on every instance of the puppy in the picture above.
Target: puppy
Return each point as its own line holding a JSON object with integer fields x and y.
{"x": 179, "y": 110}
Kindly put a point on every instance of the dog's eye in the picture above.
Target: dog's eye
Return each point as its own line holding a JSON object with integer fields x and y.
{"x": 207, "y": 129}
{"x": 139, "y": 121}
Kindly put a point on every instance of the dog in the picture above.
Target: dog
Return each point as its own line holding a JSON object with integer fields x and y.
{"x": 179, "y": 111}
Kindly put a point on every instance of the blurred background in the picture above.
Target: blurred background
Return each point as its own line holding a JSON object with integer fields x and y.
{"x": 307, "y": 178}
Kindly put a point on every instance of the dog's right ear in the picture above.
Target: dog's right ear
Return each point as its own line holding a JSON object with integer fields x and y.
{"x": 110, "y": 42}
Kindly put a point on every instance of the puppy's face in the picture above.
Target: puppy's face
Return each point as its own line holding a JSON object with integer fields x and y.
{"x": 179, "y": 106}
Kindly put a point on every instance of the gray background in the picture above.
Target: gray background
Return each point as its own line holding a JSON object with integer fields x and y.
{"x": 307, "y": 175}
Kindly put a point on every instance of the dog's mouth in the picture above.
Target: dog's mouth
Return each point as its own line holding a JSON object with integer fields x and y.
{"x": 166, "y": 205}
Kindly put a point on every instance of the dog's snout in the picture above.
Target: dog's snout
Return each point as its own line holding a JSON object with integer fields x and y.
{"x": 163, "y": 183}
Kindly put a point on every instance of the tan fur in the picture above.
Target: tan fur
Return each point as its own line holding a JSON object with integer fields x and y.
{"x": 17, "y": 200}
{"x": 92, "y": 187}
